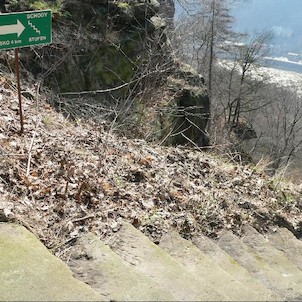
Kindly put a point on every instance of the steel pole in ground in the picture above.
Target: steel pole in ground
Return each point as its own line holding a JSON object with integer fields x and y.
{"x": 19, "y": 90}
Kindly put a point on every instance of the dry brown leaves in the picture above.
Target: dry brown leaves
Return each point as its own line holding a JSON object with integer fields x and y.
{"x": 64, "y": 178}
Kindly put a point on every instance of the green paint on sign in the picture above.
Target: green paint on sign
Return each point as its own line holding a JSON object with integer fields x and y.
{"x": 25, "y": 29}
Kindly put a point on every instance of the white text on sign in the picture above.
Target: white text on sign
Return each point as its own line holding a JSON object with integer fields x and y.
{"x": 37, "y": 15}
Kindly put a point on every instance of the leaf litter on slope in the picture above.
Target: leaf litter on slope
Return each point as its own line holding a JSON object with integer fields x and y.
{"x": 65, "y": 177}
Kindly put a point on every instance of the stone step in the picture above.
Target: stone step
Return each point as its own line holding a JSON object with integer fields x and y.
{"x": 233, "y": 268}
{"x": 259, "y": 268}
{"x": 285, "y": 241}
{"x": 96, "y": 264}
{"x": 134, "y": 268}
{"x": 151, "y": 260}
{"x": 205, "y": 269}
{"x": 274, "y": 257}
{"x": 29, "y": 272}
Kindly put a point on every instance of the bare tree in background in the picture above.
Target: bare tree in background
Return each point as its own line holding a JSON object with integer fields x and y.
{"x": 203, "y": 34}
{"x": 207, "y": 39}
{"x": 246, "y": 56}
{"x": 266, "y": 119}
{"x": 281, "y": 126}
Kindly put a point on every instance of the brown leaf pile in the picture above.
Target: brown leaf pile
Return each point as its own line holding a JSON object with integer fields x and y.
{"x": 64, "y": 178}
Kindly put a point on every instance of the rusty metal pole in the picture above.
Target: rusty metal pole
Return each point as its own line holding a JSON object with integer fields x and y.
{"x": 19, "y": 90}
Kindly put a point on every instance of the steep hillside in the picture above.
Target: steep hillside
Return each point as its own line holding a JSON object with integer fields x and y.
{"x": 73, "y": 171}
{"x": 64, "y": 177}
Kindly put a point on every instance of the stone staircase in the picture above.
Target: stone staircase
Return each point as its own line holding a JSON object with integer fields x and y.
{"x": 130, "y": 267}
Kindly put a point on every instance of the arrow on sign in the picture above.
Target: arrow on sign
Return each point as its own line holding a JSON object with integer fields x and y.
{"x": 12, "y": 29}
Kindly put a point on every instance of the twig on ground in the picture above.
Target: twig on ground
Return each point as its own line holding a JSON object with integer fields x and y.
{"x": 30, "y": 153}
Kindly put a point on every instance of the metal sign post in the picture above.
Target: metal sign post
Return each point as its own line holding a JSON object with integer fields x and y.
{"x": 19, "y": 90}
{"x": 21, "y": 30}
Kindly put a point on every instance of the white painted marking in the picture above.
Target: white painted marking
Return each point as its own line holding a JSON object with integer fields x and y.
{"x": 12, "y": 29}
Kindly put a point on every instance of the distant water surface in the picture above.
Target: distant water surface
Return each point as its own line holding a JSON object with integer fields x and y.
{"x": 288, "y": 66}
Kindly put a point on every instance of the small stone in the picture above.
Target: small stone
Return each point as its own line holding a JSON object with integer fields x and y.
{"x": 148, "y": 204}
{"x": 6, "y": 208}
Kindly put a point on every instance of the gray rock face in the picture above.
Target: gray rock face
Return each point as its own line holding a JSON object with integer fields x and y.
{"x": 112, "y": 40}
{"x": 167, "y": 10}
{"x": 190, "y": 117}
{"x": 123, "y": 47}
{"x": 143, "y": 10}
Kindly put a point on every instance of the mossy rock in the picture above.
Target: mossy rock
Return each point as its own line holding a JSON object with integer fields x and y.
{"x": 193, "y": 113}
{"x": 143, "y": 10}
{"x": 187, "y": 114}
{"x": 109, "y": 66}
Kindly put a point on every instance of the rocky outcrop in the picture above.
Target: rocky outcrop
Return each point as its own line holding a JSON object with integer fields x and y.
{"x": 102, "y": 44}
{"x": 123, "y": 47}
{"x": 167, "y": 10}
{"x": 187, "y": 118}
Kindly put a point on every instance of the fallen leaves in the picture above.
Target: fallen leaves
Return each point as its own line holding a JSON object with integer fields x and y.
{"x": 70, "y": 178}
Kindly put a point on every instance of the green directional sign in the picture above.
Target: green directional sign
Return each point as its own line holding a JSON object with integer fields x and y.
{"x": 25, "y": 29}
